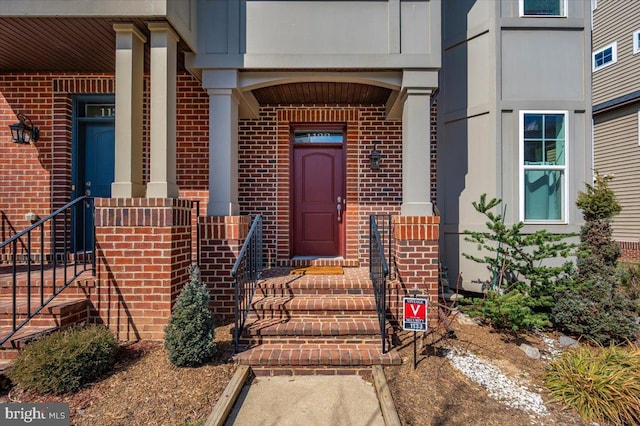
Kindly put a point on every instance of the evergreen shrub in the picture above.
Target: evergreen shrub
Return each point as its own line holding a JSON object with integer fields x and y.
{"x": 595, "y": 305}
{"x": 64, "y": 361}
{"x": 524, "y": 277}
{"x": 189, "y": 334}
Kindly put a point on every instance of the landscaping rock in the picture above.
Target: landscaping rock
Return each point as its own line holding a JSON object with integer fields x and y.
{"x": 568, "y": 342}
{"x": 465, "y": 319}
{"x": 530, "y": 351}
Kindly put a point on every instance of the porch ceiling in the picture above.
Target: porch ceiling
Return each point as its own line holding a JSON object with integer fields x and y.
{"x": 66, "y": 44}
{"x": 322, "y": 93}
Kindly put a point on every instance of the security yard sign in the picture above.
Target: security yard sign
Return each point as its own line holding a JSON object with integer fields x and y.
{"x": 415, "y": 314}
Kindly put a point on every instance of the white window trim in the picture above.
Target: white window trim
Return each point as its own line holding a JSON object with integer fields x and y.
{"x": 614, "y": 56}
{"x": 638, "y": 126}
{"x": 565, "y": 168}
{"x": 563, "y": 6}
{"x": 636, "y": 42}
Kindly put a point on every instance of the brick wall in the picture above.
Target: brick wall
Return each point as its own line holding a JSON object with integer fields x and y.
{"x": 415, "y": 261}
{"x": 222, "y": 239}
{"x": 264, "y": 182}
{"x": 143, "y": 253}
{"x": 630, "y": 251}
{"x": 37, "y": 177}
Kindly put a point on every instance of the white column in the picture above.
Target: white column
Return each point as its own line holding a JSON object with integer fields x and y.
{"x": 416, "y": 163}
{"x": 223, "y": 153}
{"x": 129, "y": 81}
{"x": 164, "y": 48}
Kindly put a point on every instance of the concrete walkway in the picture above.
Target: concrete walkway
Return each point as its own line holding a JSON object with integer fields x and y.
{"x": 307, "y": 400}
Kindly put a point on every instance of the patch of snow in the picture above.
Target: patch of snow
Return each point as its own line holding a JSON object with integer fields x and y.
{"x": 497, "y": 384}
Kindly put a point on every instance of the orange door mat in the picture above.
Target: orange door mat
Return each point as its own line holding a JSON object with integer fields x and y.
{"x": 317, "y": 270}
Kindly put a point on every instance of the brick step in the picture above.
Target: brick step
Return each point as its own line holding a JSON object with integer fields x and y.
{"x": 19, "y": 340}
{"x": 317, "y": 287}
{"x": 59, "y": 312}
{"x": 43, "y": 282}
{"x": 313, "y": 330}
{"x": 309, "y": 327}
{"x": 287, "y": 307}
{"x": 315, "y": 355}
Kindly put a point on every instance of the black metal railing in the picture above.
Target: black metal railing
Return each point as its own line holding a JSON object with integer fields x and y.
{"x": 246, "y": 272}
{"x": 70, "y": 253}
{"x": 379, "y": 269}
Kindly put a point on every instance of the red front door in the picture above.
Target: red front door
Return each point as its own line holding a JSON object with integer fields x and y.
{"x": 318, "y": 188}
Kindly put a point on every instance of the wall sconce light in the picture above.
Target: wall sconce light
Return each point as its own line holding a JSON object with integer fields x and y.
{"x": 24, "y": 131}
{"x": 374, "y": 157}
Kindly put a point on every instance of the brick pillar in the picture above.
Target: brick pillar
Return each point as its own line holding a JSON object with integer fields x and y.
{"x": 221, "y": 240}
{"x": 143, "y": 252}
{"x": 415, "y": 247}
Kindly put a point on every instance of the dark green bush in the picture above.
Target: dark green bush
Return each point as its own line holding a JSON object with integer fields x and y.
{"x": 512, "y": 310}
{"x": 601, "y": 384}
{"x": 189, "y": 334}
{"x": 630, "y": 283}
{"x": 597, "y": 312}
{"x": 65, "y": 360}
{"x": 595, "y": 306}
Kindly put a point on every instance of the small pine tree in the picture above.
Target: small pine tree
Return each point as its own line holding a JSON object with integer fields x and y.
{"x": 189, "y": 334}
{"x": 595, "y": 306}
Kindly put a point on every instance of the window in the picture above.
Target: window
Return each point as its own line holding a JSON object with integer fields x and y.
{"x": 636, "y": 42}
{"x": 318, "y": 136}
{"x": 606, "y": 56}
{"x": 543, "y": 8}
{"x": 543, "y": 155}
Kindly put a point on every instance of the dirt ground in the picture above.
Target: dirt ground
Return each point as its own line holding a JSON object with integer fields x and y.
{"x": 435, "y": 393}
{"x": 145, "y": 389}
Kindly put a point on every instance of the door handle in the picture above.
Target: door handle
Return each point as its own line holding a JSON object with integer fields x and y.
{"x": 340, "y": 200}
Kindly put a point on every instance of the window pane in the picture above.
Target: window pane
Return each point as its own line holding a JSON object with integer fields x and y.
{"x": 318, "y": 136}
{"x": 604, "y": 57}
{"x": 554, "y": 126}
{"x": 543, "y": 7}
{"x": 533, "y": 126}
{"x": 543, "y": 194}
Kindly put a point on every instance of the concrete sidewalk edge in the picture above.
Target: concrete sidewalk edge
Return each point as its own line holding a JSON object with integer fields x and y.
{"x": 388, "y": 408}
{"x": 228, "y": 398}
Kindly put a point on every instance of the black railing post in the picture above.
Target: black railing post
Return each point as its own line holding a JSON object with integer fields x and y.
{"x": 246, "y": 272}
{"x": 379, "y": 271}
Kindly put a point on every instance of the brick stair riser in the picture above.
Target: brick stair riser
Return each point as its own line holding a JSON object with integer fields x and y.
{"x": 289, "y": 292}
{"x": 310, "y": 371}
{"x": 65, "y": 314}
{"x": 40, "y": 320}
{"x": 325, "y": 340}
{"x": 332, "y": 315}
{"x": 74, "y": 289}
{"x": 317, "y": 360}
{"x": 8, "y": 353}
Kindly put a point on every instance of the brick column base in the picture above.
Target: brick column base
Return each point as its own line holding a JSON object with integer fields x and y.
{"x": 221, "y": 238}
{"x": 143, "y": 253}
{"x": 415, "y": 253}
